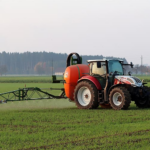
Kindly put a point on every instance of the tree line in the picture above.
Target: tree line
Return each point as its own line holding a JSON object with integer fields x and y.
{"x": 30, "y": 62}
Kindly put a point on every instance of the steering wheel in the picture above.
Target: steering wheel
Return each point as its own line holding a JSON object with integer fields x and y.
{"x": 115, "y": 73}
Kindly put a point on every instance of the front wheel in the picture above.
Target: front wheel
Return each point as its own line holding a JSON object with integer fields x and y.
{"x": 119, "y": 98}
{"x": 143, "y": 102}
{"x": 86, "y": 95}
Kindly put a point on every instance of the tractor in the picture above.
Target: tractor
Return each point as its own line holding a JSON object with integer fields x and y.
{"x": 103, "y": 82}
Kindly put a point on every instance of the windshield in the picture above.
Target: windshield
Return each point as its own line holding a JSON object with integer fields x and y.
{"x": 115, "y": 65}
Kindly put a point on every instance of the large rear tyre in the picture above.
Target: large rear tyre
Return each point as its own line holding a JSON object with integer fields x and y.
{"x": 86, "y": 95}
{"x": 143, "y": 102}
{"x": 119, "y": 98}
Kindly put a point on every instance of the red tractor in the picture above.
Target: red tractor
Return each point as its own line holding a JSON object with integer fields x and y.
{"x": 102, "y": 82}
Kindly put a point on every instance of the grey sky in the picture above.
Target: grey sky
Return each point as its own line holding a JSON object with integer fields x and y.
{"x": 119, "y": 28}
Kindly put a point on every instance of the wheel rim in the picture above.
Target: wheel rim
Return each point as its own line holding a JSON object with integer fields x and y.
{"x": 84, "y": 96}
{"x": 117, "y": 98}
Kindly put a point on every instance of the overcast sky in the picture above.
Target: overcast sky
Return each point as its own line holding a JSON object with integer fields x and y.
{"x": 119, "y": 28}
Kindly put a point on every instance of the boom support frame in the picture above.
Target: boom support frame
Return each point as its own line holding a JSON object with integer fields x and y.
{"x": 28, "y": 94}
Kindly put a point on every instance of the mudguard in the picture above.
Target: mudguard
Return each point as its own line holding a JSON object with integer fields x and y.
{"x": 92, "y": 79}
{"x": 116, "y": 85}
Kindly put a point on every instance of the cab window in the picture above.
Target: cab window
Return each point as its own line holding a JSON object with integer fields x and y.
{"x": 98, "y": 68}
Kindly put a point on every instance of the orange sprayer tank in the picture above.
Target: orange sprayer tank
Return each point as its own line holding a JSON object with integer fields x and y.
{"x": 72, "y": 75}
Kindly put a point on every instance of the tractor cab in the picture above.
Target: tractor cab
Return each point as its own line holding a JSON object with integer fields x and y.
{"x": 100, "y": 69}
{"x": 110, "y": 75}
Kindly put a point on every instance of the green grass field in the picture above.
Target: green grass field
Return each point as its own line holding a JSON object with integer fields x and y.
{"x": 58, "y": 124}
{"x": 44, "y": 79}
{"x": 27, "y": 79}
{"x": 146, "y": 78}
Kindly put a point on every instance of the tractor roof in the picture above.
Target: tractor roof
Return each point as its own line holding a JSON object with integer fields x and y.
{"x": 102, "y": 60}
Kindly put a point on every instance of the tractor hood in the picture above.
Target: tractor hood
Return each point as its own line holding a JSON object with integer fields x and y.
{"x": 134, "y": 81}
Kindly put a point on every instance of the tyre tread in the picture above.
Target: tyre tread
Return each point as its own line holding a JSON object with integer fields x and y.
{"x": 126, "y": 96}
{"x": 94, "y": 101}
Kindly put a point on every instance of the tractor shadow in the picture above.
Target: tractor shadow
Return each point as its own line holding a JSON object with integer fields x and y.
{"x": 130, "y": 108}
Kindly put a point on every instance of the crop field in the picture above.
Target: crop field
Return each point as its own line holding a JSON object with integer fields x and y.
{"x": 27, "y": 79}
{"x": 146, "y": 78}
{"x": 58, "y": 124}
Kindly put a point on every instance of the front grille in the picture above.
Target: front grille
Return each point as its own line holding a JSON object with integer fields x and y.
{"x": 137, "y": 80}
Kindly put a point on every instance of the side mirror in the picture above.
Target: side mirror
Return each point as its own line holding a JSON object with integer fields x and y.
{"x": 98, "y": 64}
{"x": 131, "y": 64}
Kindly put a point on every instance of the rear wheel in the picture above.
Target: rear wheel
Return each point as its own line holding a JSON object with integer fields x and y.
{"x": 86, "y": 95}
{"x": 119, "y": 98}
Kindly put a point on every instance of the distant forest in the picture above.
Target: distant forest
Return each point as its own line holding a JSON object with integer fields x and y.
{"x": 38, "y": 62}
